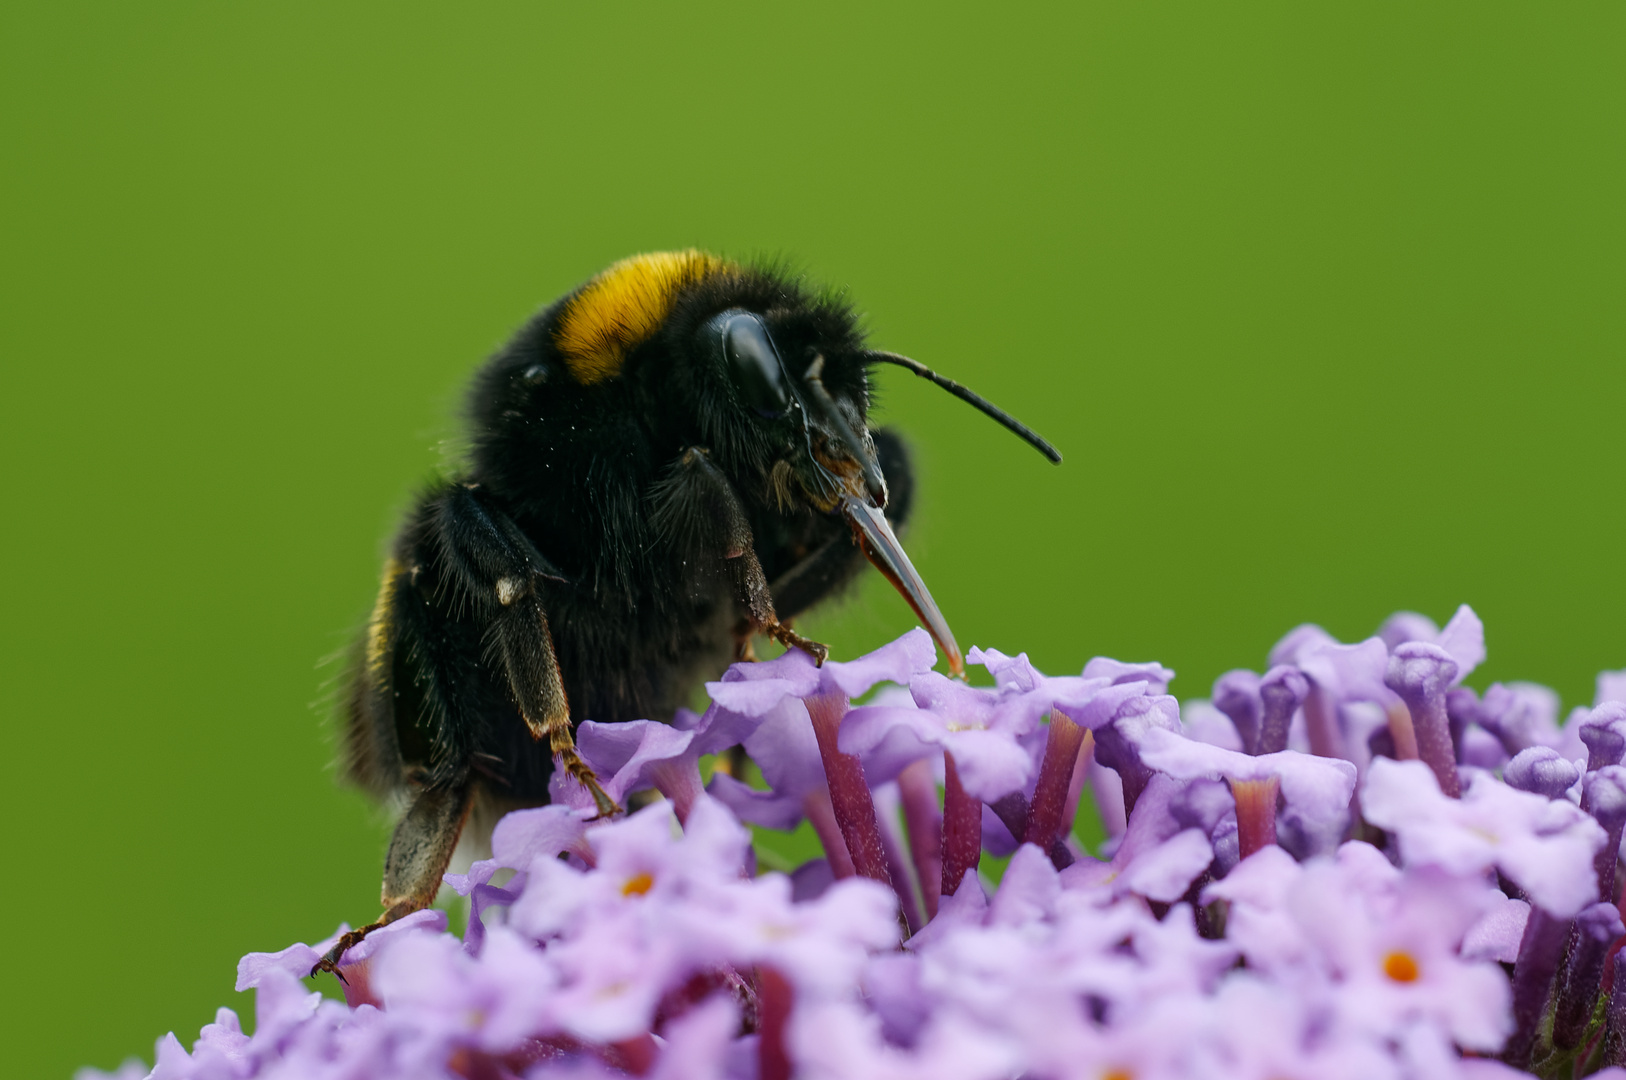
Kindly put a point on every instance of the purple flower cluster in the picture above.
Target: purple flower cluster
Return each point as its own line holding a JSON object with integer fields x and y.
{"x": 1349, "y": 865}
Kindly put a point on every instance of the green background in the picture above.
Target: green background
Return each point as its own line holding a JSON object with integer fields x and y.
{"x": 1323, "y": 302}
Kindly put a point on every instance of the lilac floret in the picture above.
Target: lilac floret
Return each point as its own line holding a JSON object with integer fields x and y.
{"x": 1463, "y": 638}
{"x": 1340, "y": 675}
{"x": 1163, "y": 851}
{"x": 1205, "y": 722}
{"x": 1544, "y": 846}
{"x": 1318, "y": 787}
{"x": 1154, "y": 675}
{"x": 524, "y": 836}
{"x": 1404, "y": 626}
{"x": 991, "y": 762}
{"x": 1348, "y": 672}
{"x": 640, "y": 754}
{"x": 1522, "y": 715}
{"x": 1497, "y": 934}
{"x": 1231, "y": 928}
{"x": 1117, "y": 742}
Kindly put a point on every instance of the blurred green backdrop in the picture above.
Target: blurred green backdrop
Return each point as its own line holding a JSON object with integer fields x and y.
{"x": 1324, "y": 303}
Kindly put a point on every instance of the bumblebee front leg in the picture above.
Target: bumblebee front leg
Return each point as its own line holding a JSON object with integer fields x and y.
{"x": 698, "y": 509}
{"x": 498, "y": 567}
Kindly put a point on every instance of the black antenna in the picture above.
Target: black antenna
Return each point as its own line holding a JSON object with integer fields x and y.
{"x": 974, "y": 399}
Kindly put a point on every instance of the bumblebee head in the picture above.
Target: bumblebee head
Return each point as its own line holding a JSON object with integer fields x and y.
{"x": 804, "y": 398}
{"x": 772, "y": 380}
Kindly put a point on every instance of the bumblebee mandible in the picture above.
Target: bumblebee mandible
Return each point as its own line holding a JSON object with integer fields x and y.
{"x": 666, "y": 461}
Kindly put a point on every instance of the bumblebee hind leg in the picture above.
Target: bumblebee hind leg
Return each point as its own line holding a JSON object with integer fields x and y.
{"x": 420, "y": 851}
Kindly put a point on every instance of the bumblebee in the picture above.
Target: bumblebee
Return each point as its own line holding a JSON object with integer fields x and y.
{"x": 667, "y": 461}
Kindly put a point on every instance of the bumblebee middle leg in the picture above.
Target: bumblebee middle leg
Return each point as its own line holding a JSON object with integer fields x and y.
{"x": 697, "y": 509}
{"x": 495, "y": 566}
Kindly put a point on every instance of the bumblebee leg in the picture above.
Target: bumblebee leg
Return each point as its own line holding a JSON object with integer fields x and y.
{"x": 696, "y": 506}
{"x": 498, "y": 567}
{"x": 420, "y": 851}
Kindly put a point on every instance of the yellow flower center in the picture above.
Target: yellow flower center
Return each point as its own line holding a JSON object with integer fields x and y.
{"x": 1401, "y": 966}
{"x": 638, "y": 883}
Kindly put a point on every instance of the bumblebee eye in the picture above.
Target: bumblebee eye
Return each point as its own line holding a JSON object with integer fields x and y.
{"x": 753, "y": 362}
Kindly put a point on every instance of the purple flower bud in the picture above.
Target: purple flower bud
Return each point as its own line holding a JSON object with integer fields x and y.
{"x": 1236, "y": 694}
{"x": 1603, "y": 795}
{"x": 1421, "y": 674}
{"x": 1540, "y": 769}
{"x": 1596, "y": 928}
{"x": 1281, "y": 692}
{"x": 1604, "y": 734}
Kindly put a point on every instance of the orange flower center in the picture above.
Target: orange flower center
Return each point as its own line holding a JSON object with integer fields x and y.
{"x": 1401, "y": 967}
{"x": 638, "y": 883}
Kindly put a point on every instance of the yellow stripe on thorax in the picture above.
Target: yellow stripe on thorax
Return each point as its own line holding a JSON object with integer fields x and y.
{"x": 622, "y": 308}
